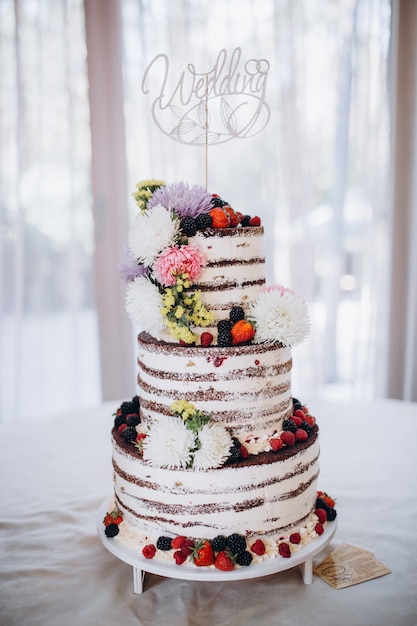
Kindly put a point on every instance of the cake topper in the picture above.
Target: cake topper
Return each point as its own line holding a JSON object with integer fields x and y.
{"x": 211, "y": 107}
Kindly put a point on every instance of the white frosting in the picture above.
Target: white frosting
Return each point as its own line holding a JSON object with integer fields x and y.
{"x": 253, "y": 499}
{"x": 247, "y": 389}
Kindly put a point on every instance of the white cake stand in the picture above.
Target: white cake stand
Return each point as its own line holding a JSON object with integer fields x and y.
{"x": 303, "y": 559}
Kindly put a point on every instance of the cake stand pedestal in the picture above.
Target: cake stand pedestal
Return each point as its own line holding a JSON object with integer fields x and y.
{"x": 303, "y": 559}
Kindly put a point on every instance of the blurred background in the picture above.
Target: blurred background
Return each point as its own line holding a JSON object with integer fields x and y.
{"x": 332, "y": 176}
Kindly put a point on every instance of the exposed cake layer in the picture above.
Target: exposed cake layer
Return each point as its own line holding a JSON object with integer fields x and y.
{"x": 247, "y": 389}
{"x": 235, "y": 270}
{"x": 266, "y": 495}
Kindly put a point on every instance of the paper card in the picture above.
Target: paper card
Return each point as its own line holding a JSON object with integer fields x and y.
{"x": 349, "y": 565}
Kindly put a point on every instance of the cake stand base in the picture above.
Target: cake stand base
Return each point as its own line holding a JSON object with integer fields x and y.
{"x": 303, "y": 559}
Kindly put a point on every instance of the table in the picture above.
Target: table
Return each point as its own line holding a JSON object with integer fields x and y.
{"x": 54, "y": 571}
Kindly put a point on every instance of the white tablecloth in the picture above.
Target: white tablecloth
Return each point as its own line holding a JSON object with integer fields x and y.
{"x": 54, "y": 570}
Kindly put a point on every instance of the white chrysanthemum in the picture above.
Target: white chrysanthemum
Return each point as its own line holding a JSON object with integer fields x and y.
{"x": 152, "y": 232}
{"x": 143, "y": 304}
{"x": 215, "y": 447}
{"x": 169, "y": 444}
{"x": 280, "y": 316}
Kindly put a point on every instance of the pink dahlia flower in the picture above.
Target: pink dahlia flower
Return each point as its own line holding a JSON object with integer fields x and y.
{"x": 177, "y": 260}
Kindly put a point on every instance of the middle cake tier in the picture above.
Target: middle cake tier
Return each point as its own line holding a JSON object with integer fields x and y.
{"x": 246, "y": 389}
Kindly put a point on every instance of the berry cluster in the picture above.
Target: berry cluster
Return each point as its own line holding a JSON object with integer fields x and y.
{"x": 237, "y": 452}
{"x": 190, "y": 225}
{"x": 127, "y": 418}
{"x": 296, "y": 428}
{"x": 111, "y": 522}
{"x": 235, "y": 330}
{"x": 223, "y": 216}
{"x": 222, "y": 552}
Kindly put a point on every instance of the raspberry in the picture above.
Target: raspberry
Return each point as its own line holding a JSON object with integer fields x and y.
{"x": 319, "y": 529}
{"x": 258, "y": 547}
{"x": 243, "y": 452}
{"x": 206, "y": 339}
{"x": 179, "y": 557}
{"x": 299, "y": 413}
{"x": 297, "y": 420}
{"x": 276, "y": 444}
{"x": 255, "y": 221}
{"x": 149, "y": 551}
{"x": 187, "y": 547}
{"x": 321, "y": 514}
{"x": 295, "y": 538}
{"x": 177, "y": 542}
{"x": 300, "y": 435}
{"x": 310, "y": 420}
{"x": 234, "y": 218}
{"x": 288, "y": 438}
{"x": 284, "y": 550}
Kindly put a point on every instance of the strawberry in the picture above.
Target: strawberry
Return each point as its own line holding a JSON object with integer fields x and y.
{"x": 234, "y": 219}
{"x": 328, "y": 500}
{"x": 255, "y": 221}
{"x": 242, "y": 332}
{"x": 319, "y": 529}
{"x": 321, "y": 514}
{"x": 258, "y": 547}
{"x": 221, "y": 219}
{"x": 288, "y": 438}
{"x": 301, "y": 434}
{"x": 224, "y": 561}
{"x": 179, "y": 557}
{"x": 149, "y": 551}
{"x": 178, "y": 542}
{"x": 295, "y": 538}
{"x": 203, "y": 553}
{"x": 206, "y": 339}
{"x": 284, "y": 550}
{"x": 276, "y": 444}
{"x": 115, "y": 517}
{"x": 121, "y": 428}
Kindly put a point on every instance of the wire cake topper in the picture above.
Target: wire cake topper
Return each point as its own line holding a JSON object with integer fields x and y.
{"x": 209, "y": 108}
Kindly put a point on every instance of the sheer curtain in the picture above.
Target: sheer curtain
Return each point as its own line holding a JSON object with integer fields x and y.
{"x": 324, "y": 176}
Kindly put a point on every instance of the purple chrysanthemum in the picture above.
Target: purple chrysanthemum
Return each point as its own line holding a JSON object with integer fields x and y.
{"x": 129, "y": 268}
{"x": 184, "y": 200}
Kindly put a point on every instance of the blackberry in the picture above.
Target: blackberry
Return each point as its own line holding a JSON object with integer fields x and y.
{"x": 216, "y": 201}
{"x": 119, "y": 420}
{"x": 236, "y": 314}
{"x": 135, "y": 402}
{"x": 245, "y": 220}
{"x": 321, "y": 504}
{"x": 203, "y": 221}
{"x": 236, "y": 543}
{"x": 236, "y": 442}
{"x": 188, "y": 226}
{"x": 127, "y": 407}
{"x": 133, "y": 419}
{"x": 289, "y": 425}
{"x": 129, "y": 433}
{"x": 224, "y": 335}
{"x": 164, "y": 543}
{"x": 306, "y": 426}
{"x": 331, "y": 514}
{"x": 244, "y": 558}
{"x": 296, "y": 404}
{"x": 111, "y": 530}
{"x": 219, "y": 543}
{"x": 234, "y": 453}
